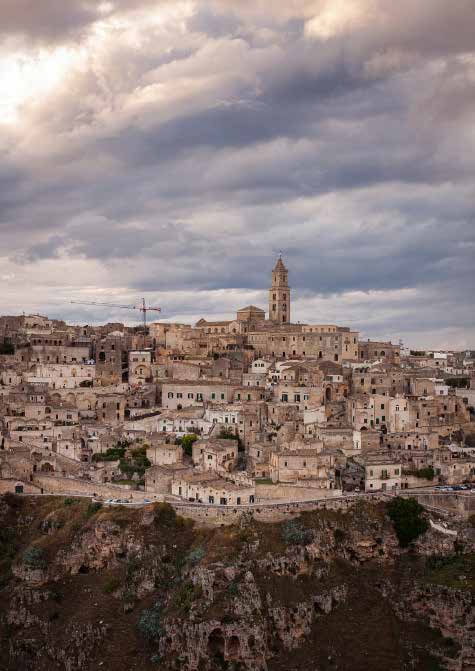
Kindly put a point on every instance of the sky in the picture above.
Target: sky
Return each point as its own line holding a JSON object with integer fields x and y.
{"x": 171, "y": 149}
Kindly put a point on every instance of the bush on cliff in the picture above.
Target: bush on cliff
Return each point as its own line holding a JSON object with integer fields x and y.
{"x": 294, "y": 533}
{"x": 164, "y": 515}
{"x": 406, "y": 516}
{"x": 149, "y": 622}
{"x": 34, "y": 558}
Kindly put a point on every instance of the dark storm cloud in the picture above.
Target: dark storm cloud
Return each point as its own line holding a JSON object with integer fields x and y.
{"x": 186, "y": 164}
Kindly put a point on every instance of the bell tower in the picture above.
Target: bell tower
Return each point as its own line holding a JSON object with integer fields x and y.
{"x": 279, "y": 294}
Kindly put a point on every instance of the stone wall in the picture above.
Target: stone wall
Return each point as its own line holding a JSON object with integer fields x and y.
{"x": 292, "y": 492}
{"x": 268, "y": 512}
{"x": 459, "y": 503}
{"x": 9, "y": 486}
{"x": 69, "y": 486}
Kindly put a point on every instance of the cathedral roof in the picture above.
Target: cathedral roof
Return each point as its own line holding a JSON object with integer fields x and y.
{"x": 250, "y": 308}
{"x": 280, "y": 264}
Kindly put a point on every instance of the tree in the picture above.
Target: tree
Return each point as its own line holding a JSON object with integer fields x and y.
{"x": 187, "y": 443}
{"x": 406, "y": 516}
{"x": 7, "y": 347}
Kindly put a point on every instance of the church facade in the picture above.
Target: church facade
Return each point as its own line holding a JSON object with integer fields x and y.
{"x": 273, "y": 336}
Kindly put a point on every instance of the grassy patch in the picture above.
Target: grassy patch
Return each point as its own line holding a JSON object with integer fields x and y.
{"x": 111, "y": 584}
{"x": 455, "y": 571}
{"x": 185, "y": 596}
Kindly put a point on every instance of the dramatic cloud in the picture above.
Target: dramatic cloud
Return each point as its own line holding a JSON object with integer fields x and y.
{"x": 170, "y": 149}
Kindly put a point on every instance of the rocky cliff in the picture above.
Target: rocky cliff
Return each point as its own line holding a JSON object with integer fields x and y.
{"x": 85, "y": 588}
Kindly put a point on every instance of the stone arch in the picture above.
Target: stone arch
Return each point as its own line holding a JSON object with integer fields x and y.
{"x": 47, "y": 467}
{"x": 71, "y": 398}
{"x": 328, "y": 394}
{"x": 56, "y": 398}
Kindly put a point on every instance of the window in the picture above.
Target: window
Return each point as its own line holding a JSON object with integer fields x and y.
{"x": 170, "y": 394}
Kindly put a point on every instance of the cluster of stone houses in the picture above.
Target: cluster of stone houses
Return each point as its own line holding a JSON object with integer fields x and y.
{"x": 276, "y": 409}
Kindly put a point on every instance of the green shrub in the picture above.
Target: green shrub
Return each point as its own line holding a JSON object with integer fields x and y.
{"x": 34, "y": 558}
{"x": 233, "y": 588}
{"x": 137, "y": 462}
{"x": 195, "y": 556}
{"x": 186, "y": 595}
{"x": 294, "y": 533}
{"x": 428, "y": 473}
{"x": 110, "y": 585}
{"x": 93, "y": 508}
{"x": 7, "y": 347}
{"x": 165, "y": 515}
{"x": 112, "y": 454}
{"x": 68, "y": 501}
{"x": 149, "y": 622}
{"x": 155, "y": 659}
{"x": 406, "y": 516}
{"x": 187, "y": 443}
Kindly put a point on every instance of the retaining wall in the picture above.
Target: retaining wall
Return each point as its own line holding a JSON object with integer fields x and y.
{"x": 71, "y": 486}
{"x": 265, "y": 512}
{"x": 459, "y": 503}
{"x": 293, "y": 493}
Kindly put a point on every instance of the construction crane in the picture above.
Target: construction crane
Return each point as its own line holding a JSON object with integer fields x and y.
{"x": 142, "y": 307}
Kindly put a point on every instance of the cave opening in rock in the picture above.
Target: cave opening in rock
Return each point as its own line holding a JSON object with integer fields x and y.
{"x": 216, "y": 644}
{"x": 234, "y": 646}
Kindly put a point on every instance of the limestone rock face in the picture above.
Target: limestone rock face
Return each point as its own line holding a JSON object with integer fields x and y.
{"x": 145, "y": 590}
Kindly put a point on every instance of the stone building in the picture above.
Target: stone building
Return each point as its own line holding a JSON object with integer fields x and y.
{"x": 382, "y": 472}
{"x": 279, "y": 294}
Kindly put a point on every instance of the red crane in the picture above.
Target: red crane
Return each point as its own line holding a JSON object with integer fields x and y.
{"x": 142, "y": 307}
